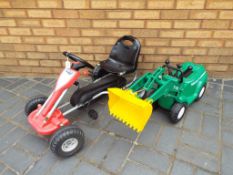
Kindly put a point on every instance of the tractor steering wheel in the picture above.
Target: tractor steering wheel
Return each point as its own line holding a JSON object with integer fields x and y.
{"x": 171, "y": 68}
{"x": 77, "y": 59}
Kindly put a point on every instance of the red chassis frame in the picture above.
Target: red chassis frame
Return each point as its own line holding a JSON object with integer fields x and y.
{"x": 47, "y": 118}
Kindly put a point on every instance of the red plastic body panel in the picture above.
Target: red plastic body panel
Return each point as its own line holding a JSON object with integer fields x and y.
{"x": 61, "y": 86}
{"x": 43, "y": 127}
{"x": 43, "y": 124}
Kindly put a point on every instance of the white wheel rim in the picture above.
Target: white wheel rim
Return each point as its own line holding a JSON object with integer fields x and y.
{"x": 142, "y": 93}
{"x": 69, "y": 145}
{"x": 181, "y": 113}
{"x": 201, "y": 92}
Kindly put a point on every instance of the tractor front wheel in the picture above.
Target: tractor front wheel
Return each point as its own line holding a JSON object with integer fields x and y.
{"x": 33, "y": 104}
{"x": 155, "y": 105}
{"x": 67, "y": 141}
{"x": 177, "y": 112}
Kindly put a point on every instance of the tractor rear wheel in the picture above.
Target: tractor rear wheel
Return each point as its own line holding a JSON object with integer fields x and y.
{"x": 201, "y": 93}
{"x": 67, "y": 141}
{"x": 177, "y": 112}
{"x": 33, "y": 103}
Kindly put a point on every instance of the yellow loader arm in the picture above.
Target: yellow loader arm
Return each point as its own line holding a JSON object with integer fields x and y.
{"x": 125, "y": 106}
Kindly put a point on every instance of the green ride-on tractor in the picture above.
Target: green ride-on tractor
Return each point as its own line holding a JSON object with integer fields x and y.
{"x": 172, "y": 88}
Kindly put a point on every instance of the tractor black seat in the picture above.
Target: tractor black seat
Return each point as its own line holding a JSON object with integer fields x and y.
{"x": 123, "y": 57}
{"x": 85, "y": 94}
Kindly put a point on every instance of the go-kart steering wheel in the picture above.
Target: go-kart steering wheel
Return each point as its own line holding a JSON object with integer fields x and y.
{"x": 77, "y": 59}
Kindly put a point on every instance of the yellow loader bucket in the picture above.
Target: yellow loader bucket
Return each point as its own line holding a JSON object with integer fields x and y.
{"x": 128, "y": 108}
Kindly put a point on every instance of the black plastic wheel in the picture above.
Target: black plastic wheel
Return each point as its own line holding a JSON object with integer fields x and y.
{"x": 33, "y": 103}
{"x": 177, "y": 112}
{"x": 67, "y": 141}
{"x": 145, "y": 94}
{"x": 93, "y": 114}
{"x": 201, "y": 93}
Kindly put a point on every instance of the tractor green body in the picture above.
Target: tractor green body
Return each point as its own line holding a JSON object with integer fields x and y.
{"x": 167, "y": 89}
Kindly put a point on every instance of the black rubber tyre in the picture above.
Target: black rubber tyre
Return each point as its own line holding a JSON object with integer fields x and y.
{"x": 201, "y": 93}
{"x": 33, "y": 103}
{"x": 59, "y": 142}
{"x": 177, "y": 112}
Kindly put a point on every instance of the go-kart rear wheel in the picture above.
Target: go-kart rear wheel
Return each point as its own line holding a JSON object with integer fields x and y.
{"x": 177, "y": 112}
{"x": 67, "y": 141}
{"x": 33, "y": 103}
{"x": 201, "y": 93}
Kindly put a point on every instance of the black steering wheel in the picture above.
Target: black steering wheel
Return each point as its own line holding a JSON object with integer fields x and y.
{"x": 78, "y": 59}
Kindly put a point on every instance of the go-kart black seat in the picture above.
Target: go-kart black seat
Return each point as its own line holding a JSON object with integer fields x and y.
{"x": 85, "y": 94}
{"x": 123, "y": 57}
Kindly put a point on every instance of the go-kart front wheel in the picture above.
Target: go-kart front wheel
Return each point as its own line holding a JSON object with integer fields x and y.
{"x": 67, "y": 141}
{"x": 33, "y": 103}
{"x": 177, "y": 112}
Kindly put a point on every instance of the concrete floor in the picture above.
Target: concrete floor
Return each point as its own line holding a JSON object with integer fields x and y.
{"x": 201, "y": 144}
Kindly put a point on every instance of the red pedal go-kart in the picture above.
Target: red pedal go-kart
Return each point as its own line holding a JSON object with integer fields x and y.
{"x": 44, "y": 113}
